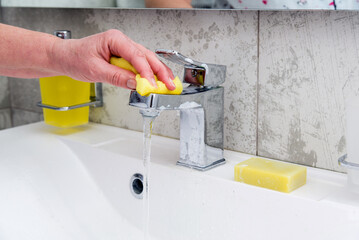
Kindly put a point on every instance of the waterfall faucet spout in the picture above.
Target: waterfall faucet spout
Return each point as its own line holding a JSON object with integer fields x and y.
{"x": 201, "y": 111}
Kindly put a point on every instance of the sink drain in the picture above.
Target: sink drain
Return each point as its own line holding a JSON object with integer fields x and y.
{"x": 136, "y": 185}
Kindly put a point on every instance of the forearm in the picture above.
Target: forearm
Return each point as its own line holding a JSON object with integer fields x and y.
{"x": 25, "y": 53}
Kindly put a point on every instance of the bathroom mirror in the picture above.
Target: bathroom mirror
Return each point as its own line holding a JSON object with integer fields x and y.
{"x": 215, "y": 4}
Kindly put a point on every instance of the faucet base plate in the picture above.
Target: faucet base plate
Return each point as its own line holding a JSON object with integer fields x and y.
{"x": 205, "y": 168}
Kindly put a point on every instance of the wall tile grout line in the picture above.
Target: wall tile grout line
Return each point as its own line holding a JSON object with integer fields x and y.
{"x": 8, "y": 88}
{"x": 8, "y": 82}
{"x": 25, "y": 109}
{"x": 10, "y": 102}
{"x": 1, "y": 12}
{"x": 257, "y": 85}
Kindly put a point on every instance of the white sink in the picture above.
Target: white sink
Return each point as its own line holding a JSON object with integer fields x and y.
{"x": 75, "y": 184}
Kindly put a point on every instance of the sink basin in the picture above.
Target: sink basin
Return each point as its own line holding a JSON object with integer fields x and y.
{"x": 75, "y": 184}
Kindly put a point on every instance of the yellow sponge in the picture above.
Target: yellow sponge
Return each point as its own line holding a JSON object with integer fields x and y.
{"x": 122, "y": 63}
{"x": 275, "y": 175}
{"x": 144, "y": 87}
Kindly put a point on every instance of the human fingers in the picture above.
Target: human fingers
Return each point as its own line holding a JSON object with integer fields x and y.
{"x": 116, "y": 76}
{"x": 122, "y": 46}
{"x": 162, "y": 71}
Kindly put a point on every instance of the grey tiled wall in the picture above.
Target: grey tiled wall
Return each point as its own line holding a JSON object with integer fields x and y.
{"x": 308, "y": 65}
{"x": 288, "y": 72}
{"x": 4, "y": 93}
{"x": 24, "y": 94}
{"x": 18, "y": 98}
{"x": 225, "y": 37}
{"x": 5, "y": 109}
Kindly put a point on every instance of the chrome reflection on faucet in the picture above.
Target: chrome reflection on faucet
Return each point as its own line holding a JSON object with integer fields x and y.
{"x": 201, "y": 111}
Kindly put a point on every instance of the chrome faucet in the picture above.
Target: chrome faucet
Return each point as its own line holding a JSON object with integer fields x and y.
{"x": 201, "y": 111}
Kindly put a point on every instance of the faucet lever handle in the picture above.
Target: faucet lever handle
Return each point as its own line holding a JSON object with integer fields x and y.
{"x": 196, "y": 73}
{"x": 178, "y": 58}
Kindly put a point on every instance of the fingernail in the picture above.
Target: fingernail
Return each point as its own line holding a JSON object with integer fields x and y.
{"x": 131, "y": 84}
{"x": 172, "y": 83}
{"x": 153, "y": 82}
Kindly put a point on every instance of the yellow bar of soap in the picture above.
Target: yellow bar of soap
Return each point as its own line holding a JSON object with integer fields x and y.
{"x": 144, "y": 87}
{"x": 275, "y": 175}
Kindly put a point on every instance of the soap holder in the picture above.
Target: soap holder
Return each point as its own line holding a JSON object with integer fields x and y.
{"x": 96, "y": 100}
{"x": 353, "y": 172}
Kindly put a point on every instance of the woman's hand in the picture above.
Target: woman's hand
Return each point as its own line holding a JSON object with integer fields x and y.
{"x": 87, "y": 59}
{"x": 30, "y": 54}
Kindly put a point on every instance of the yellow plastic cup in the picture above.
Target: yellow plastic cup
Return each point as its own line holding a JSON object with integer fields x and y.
{"x": 63, "y": 91}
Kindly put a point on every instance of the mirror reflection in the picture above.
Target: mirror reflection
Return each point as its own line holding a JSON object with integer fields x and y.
{"x": 214, "y": 4}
